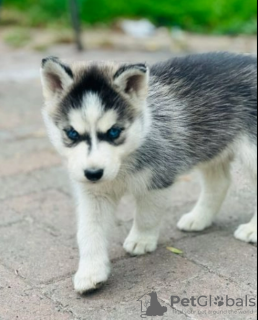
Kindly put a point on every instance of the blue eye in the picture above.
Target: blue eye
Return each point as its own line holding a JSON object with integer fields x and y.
{"x": 114, "y": 133}
{"x": 73, "y": 135}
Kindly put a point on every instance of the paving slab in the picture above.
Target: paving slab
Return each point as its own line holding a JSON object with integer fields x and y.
{"x": 39, "y": 180}
{"x": 22, "y": 104}
{"x": 20, "y": 301}
{"x": 8, "y": 215}
{"x": 133, "y": 278}
{"x": 38, "y": 255}
{"x": 28, "y": 163}
{"x": 51, "y": 209}
{"x": 224, "y": 255}
{"x": 23, "y": 147}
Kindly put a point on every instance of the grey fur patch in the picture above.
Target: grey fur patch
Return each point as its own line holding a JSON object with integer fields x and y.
{"x": 199, "y": 104}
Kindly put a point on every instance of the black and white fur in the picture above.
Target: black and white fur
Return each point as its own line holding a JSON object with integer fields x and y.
{"x": 197, "y": 112}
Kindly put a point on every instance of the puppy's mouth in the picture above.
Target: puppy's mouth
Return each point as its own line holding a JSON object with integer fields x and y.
{"x": 90, "y": 183}
{"x": 95, "y": 183}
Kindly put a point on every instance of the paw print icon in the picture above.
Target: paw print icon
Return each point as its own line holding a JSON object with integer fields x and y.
{"x": 219, "y": 301}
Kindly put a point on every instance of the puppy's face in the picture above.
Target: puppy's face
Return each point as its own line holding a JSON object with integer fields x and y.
{"x": 94, "y": 115}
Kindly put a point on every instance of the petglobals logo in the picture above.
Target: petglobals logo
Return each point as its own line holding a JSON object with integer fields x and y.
{"x": 151, "y": 307}
{"x": 214, "y": 301}
{"x": 210, "y": 305}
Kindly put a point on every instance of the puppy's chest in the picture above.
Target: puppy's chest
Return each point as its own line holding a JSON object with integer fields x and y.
{"x": 139, "y": 182}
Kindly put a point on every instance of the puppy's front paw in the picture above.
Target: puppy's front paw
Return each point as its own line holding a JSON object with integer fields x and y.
{"x": 140, "y": 245}
{"x": 247, "y": 233}
{"x": 90, "y": 279}
{"x": 194, "y": 222}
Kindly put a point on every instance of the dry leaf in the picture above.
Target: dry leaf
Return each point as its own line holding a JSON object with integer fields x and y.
{"x": 174, "y": 250}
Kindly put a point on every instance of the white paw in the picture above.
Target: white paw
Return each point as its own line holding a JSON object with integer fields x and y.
{"x": 193, "y": 222}
{"x": 90, "y": 279}
{"x": 140, "y": 245}
{"x": 247, "y": 233}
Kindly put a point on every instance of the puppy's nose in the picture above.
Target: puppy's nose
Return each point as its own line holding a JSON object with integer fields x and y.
{"x": 94, "y": 174}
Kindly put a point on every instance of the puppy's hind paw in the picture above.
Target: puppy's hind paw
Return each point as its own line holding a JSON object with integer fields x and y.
{"x": 193, "y": 222}
{"x": 247, "y": 233}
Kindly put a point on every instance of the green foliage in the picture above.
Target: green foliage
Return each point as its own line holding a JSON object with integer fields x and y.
{"x": 17, "y": 38}
{"x": 40, "y": 12}
{"x": 217, "y": 16}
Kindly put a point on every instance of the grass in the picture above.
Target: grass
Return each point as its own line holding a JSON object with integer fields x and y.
{"x": 17, "y": 37}
{"x": 219, "y": 16}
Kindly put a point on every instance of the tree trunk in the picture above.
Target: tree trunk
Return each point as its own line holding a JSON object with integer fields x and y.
{"x": 74, "y": 9}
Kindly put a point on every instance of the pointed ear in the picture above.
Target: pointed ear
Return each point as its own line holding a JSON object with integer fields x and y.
{"x": 56, "y": 77}
{"x": 132, "y": 80}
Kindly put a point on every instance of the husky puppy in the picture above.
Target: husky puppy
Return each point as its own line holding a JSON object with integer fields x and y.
{"x": 128, "y": 128}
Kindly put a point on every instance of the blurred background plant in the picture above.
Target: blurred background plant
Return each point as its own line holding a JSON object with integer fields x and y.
{"x": 219, "y": 16}
{"x": 152, "y": 25}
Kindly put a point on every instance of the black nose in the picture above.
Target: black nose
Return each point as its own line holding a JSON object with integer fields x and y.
{"x": 94, "y": 175}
